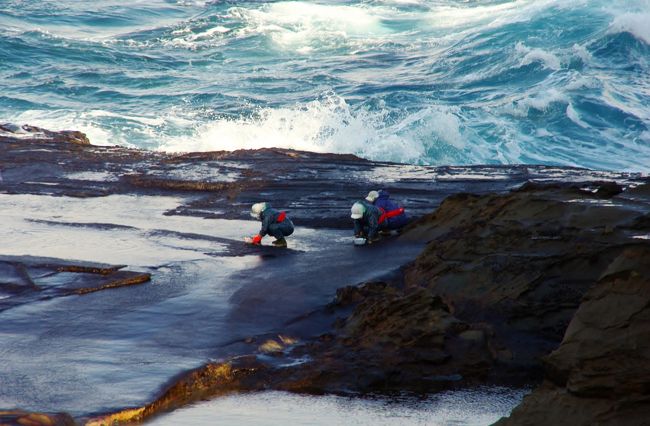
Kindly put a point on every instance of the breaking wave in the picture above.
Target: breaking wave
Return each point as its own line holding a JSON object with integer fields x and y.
{"x": 427, "y": 82}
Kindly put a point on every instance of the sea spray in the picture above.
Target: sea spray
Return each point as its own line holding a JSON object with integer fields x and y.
{"x": 446, "y": 82}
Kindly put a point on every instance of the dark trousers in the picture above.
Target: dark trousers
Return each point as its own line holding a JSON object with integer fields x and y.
{"x": 282, "y": 229}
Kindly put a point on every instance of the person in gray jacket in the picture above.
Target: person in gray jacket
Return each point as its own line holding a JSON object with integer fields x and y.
{"x": 274, "y": 222}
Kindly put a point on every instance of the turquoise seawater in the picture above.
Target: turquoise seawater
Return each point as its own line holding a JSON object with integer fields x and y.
{"x": 563, "y": 82}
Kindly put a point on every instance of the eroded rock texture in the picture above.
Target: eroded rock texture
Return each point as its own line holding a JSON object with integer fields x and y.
{"x": 600, "y": 374}
{"x": 521, "y": 263}
{"x": 13, "y": 133}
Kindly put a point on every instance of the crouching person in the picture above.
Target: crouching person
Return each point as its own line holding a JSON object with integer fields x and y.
{"x": 393, "y": 216}
{"x": 274, "y": 222}
{"x": 366, "y": 221}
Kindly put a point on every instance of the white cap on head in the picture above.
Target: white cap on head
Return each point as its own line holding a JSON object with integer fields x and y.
{"x": 357, "y": 211}
{"x": 257, "y": 209}
{"x": 372, "y": 196}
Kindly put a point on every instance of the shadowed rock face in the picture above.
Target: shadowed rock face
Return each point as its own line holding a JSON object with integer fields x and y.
{"x": 600, "y": 374}
{"x": 494, "y": 290}
{"x": 492, "y": 293}
{"x": 522, "y": 262}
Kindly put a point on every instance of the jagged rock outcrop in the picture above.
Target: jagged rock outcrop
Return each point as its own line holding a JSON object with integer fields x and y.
{"x": 14, "y": 133}
{"x": 522, "y": 262}
{"x": 600, "y": 374}
{"x": 392, "y": 342}
{"x": 493, "y": 292}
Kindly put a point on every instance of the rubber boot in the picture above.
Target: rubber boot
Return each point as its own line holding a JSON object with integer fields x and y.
{"x": 280, "y": 242}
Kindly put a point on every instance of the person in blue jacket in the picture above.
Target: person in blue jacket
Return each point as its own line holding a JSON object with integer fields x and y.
{"x": 274, "y": 222}
{"x": 392, "y": 215}
{"x": 366, "y": 220}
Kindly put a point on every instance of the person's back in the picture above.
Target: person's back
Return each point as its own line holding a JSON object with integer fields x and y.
{"x": 274, "y": 222}
{"x": 395, "y": 220}
{"x": 384, "y": 202}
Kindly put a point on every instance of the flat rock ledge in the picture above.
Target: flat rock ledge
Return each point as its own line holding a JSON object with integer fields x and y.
{"x": 25, "y": 279}
{"x": 545, "y": 285}
{"x": 549, "y": 283}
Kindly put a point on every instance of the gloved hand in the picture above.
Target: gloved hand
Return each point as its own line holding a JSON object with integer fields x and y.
{"x": 257, "y": 239}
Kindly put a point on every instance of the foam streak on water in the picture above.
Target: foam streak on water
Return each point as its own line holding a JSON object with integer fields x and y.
{"x": 563, "y": 82}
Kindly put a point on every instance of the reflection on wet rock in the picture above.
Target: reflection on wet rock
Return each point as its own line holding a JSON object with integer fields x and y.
{"x": 27, "y": 279}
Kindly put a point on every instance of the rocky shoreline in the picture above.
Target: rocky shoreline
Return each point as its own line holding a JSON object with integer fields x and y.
{"x": 527, "y": 275}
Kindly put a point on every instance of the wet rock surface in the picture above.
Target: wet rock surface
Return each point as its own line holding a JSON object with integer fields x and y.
{"x": 513, "y": 256}
{"x": 316, "y": 189}
{"x": 485, "y": 302}
{"x": 25, "y": 279}
{"x": 13, "y": 133}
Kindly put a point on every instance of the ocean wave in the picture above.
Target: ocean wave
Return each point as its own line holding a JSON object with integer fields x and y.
{"x": 303, "y": 27}
{"x": 331, "y": 125}
{"x": 633, "y": 23}
{"x": 551, "y": 81}
{"x": 529, "y": 56}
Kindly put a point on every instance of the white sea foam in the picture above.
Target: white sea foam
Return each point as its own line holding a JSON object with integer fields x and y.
{"x": 219, "y": 29}
{"x": 637, "y": 24}
{"x": 66, "y": 120}
{"x": 478, "y": 18}
{"x": 459, "y": 16}
{"x": 331, "y": 125}
{"x": 623, "y": 99}
{"x": 579, "y": 82}
{"x": 575, "y": 117}
{"x": 532, "y": 55}
{"x": 302, "y": 26}
{"x": 645, "y": 136}
{"x": 581, "y": 51}
{"x": 540, "y": 101}
{"x": 149, "y": 121}
{"x": 189, "y": 36}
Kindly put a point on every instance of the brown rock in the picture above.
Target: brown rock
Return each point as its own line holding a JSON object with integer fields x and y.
{"x": 521, "y": 262}
{"x": 25, "y": 418}
{"x": 14, "y": 133}
{"x": 600, "y": 374}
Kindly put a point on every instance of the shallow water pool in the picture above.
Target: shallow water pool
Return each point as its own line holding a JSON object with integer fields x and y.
{"x": 482, "y": 406}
